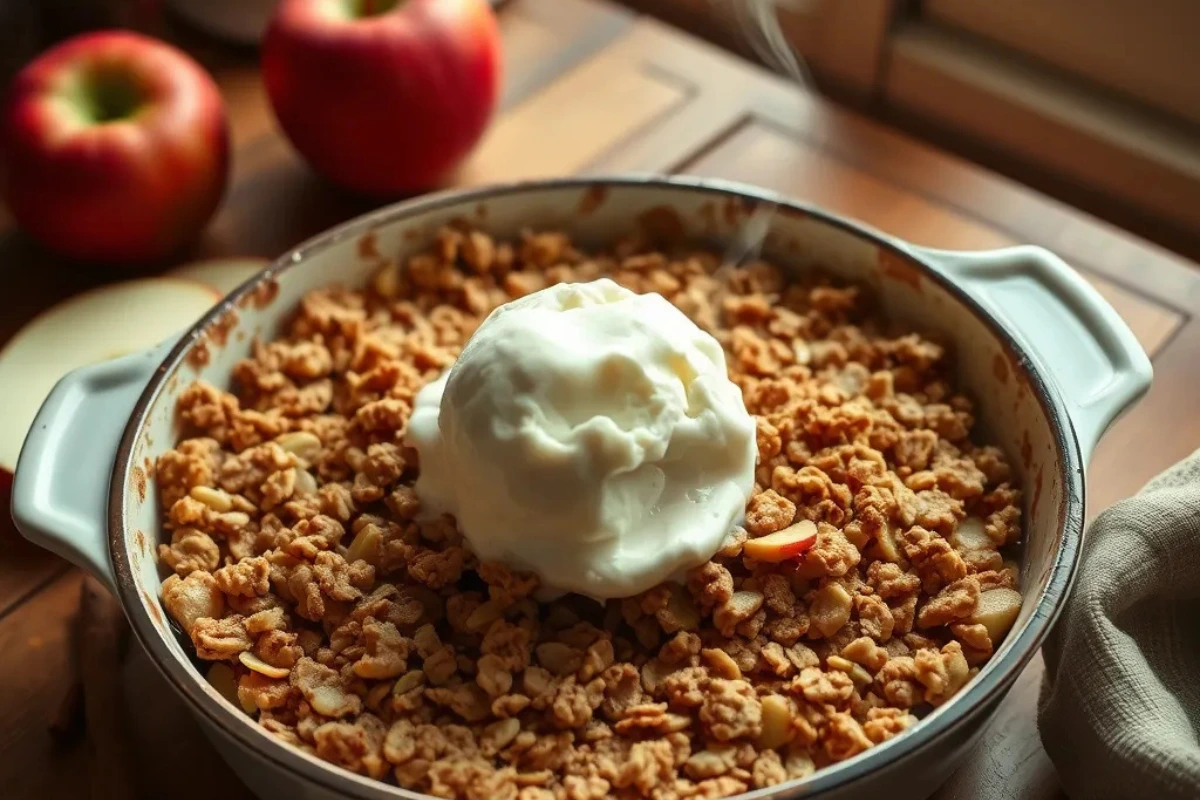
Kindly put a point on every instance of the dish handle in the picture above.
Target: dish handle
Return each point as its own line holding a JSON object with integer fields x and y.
{"x": 1076, "y": 337}
{"x": 61, "y": 484}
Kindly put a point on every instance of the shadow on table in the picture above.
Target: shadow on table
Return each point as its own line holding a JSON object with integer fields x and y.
{"x": 172, "y": 756}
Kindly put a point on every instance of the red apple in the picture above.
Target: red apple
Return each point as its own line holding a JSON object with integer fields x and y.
{"x": 383, "y": 96}
{"x": 114, "y": 147}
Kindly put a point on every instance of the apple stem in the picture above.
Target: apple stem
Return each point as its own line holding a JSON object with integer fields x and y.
{"x": 107, "y": 96}
{"x": 361, "y": 9}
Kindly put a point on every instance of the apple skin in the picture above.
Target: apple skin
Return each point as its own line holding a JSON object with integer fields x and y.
{"x": 791, "y": 542}
{"x": 385, "y": 104}
{"x": 122, "y": 184}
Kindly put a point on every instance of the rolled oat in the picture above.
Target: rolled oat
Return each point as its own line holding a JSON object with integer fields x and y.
{"x": 357, "y": 630}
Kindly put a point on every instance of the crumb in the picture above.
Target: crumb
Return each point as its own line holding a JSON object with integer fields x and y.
{"x": 368, "y": 635}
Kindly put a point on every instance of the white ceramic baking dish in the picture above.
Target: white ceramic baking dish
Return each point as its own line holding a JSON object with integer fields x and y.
{"x": 1048, "y": 361}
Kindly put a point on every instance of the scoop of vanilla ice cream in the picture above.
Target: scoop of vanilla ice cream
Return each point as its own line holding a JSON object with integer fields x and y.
{"x": 588, "y": 434}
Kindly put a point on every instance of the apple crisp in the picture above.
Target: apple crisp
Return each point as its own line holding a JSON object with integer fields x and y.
{"x": 357, "y": 629}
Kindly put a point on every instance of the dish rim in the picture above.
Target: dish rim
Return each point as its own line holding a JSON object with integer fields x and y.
{"x": 985, "y": 689}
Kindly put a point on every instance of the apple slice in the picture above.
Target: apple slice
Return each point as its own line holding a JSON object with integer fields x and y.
{"x": 970, "y": 535}
{"x": 794, "y": 540}
{"x": 975, "y": 546}
{"x": 221, "y": 677}
{"x": 997, "y": 611}
{"x": 94, "y": 326}
{"x": 223, "y": 274}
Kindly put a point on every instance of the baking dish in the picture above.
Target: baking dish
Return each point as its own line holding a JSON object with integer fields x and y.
{"x": 1048, "y": 361}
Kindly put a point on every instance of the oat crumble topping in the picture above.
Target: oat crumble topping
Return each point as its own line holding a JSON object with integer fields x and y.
{"x": 379, "y": 643}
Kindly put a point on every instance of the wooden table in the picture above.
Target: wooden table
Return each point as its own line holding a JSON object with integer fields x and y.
{"x": 593, "y": 89}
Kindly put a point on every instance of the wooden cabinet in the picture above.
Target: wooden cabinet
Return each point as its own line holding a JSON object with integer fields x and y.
{"x": 1100, "y": 107}
{"x": 1097, "y": 103}
{"x": 1146, "y": 50}
{"x": 841, "y": 41}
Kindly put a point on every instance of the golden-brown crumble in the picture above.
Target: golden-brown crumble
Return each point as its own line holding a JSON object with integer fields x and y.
{"x": 372, "y": 637}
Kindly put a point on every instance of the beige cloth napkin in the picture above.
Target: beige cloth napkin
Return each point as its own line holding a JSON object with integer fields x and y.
{"x": 1120, "y": 709}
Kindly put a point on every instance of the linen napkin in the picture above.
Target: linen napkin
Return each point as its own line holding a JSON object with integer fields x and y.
{"x": 1119, "y": 712}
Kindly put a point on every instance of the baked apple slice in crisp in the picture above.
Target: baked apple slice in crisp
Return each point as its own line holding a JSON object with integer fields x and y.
{"x": 791, "y": 542}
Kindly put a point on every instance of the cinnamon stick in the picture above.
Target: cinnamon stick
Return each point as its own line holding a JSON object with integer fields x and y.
{"x": 101, "y": 629}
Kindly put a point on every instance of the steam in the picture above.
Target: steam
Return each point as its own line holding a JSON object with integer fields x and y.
{"x": 758, "y": 24}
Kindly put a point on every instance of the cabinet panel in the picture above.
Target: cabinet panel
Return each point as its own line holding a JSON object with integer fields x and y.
{"x": 1143, "y": 48}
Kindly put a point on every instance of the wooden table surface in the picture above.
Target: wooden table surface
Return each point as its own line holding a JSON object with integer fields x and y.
{"x": 592, "y": 89}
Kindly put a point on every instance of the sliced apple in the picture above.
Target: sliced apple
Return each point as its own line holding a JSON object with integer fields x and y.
{"x": 886, "y": 546}
{"x": 777, "y": 727}
{"x": 830, "y": 609}
{"x": 104, "y": 323}
{"x": 970, "y": 535}
{"x": 975, "y": 546}
{"x": 222, "y": 274}
{"x": 794, "y": 540}
{"x": 997, "y": 611}
{"x": 256, "y": 664}
{"x": 367, "y": 545}
{"x": 221, "y": 677}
